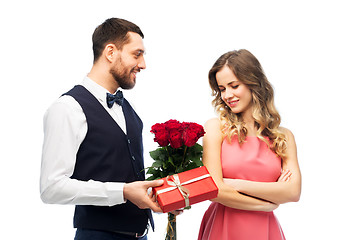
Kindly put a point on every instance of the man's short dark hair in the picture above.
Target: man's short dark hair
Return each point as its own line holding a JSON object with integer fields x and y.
{"x": 113, "y": 30}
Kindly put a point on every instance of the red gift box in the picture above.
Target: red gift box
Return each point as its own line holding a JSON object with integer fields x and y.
{"x": 185, "y": 189}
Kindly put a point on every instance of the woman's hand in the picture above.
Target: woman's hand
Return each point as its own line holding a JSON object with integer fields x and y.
{"x": 285, "y": 176}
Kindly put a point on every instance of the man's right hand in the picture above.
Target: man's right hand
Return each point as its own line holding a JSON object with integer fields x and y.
{"x": 137, "y": 193}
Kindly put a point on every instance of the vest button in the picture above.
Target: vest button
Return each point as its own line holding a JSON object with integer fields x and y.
{"x": 133, "y": 158}
{"x": 129, "y": 141}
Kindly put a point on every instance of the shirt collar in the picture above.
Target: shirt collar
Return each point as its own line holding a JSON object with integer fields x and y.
{"x": 98, "y": 91}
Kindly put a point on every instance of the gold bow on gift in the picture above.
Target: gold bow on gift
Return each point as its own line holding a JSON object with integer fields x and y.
{"x": 174, "y": 181}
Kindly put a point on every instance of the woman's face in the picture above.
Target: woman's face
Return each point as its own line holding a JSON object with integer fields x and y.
{"x": 234, "y": 93}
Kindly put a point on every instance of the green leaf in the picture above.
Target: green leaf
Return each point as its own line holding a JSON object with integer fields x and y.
{"x": 163, "y": 174}
{"x": 197, "y": 148}
{"x": 155, "y": 154}
{"x": 171, "y": 161}
{"x": 164, "y": 165}
{"x": 198, "y": 162}
{"x": 192, "y": 165}
{"x": 179, "y": 169}
{"x": 152, "y": 178}
{"x": 157, "y": 164}
{"x": 152, "y": 170}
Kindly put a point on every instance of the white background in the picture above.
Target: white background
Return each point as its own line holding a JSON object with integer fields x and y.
{"x": 309, "y": 51}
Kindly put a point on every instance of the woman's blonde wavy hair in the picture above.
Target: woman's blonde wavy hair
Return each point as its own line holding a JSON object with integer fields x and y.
{"x": 248, "y": 70}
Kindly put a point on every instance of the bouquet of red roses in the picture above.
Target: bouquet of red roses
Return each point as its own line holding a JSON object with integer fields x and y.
{"x": 178, "y": 151}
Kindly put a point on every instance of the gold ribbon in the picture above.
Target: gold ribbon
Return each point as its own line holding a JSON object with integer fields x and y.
{"x": 174, "y": 181}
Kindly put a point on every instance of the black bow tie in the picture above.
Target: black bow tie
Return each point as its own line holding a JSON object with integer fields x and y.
{"x": 111, "y": 99}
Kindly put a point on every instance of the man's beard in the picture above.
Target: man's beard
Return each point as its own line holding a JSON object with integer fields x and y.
{"x": 123, "y": 79}
{"x": 122, "y": 76}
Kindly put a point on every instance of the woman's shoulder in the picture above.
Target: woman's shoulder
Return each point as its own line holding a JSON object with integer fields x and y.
{"x": 213, "y": 127}
{"x": 213, "y": 122}
{"x": 288, "y": 134}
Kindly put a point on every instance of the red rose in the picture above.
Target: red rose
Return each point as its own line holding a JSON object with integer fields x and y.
{"x": 192, "y": 133}
{"x": 175, "y": 130}
{"x": 177, "y": 134}
{"x": 161, "y": 134}
{"x": 176, "y": 139}
{"x": 173, "y": 125}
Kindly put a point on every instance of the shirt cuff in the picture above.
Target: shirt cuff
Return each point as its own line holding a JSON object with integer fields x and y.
{"x": 116, "y": 193}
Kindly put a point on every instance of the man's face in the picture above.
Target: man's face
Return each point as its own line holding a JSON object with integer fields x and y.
{"x": 129, "y": 61}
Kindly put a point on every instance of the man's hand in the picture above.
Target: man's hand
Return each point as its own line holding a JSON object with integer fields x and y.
{"x": 137, "y": 193}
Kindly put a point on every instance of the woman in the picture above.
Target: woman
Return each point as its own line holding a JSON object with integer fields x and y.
{"x": 250, "y": 157}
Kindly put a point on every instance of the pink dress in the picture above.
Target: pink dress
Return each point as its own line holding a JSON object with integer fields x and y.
{"x": 253, "y": 161}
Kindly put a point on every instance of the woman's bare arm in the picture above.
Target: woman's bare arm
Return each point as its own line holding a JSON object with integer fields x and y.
{"x": 286, "y": 189}
{"x": 227, "y": 195}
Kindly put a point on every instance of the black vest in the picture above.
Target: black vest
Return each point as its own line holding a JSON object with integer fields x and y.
{"x": 108, "y": 155}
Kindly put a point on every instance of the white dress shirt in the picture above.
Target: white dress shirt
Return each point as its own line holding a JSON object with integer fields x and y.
{"x": 65, "y": 128}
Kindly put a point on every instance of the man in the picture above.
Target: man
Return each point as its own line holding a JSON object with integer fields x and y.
{"x": 93, "y": 152}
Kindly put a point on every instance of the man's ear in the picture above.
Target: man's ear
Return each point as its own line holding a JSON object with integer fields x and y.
{"x": 110, "y": 52}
